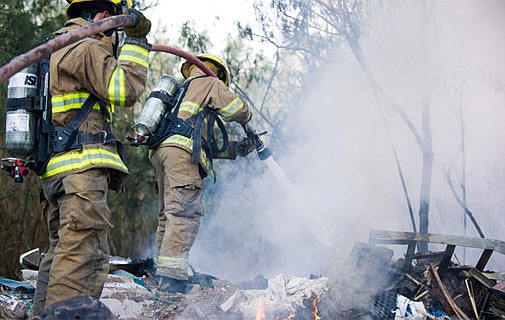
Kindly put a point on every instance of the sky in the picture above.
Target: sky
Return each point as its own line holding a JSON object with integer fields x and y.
{"x": 219, "y": 17}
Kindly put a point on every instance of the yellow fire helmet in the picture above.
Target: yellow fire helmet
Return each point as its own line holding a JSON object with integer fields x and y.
{"x": 214, "y": 63}
{"x": 113, "y": 6}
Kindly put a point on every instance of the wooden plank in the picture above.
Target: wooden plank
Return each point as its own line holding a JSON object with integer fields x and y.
{"x": 446, "y": 260}
{"x": 481, "y": 277}
{"x": 382, "y": 236}
{"x": 387, "y": 241}
{"x": 429, "y": 255}
{"x": 484, "y": 258}
{"x": 409, "y": 256}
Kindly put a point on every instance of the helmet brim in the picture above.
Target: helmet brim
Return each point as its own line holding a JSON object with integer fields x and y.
{"x": 75, "y": 8}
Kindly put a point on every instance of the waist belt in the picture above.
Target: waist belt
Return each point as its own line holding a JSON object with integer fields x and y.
{"x": 69, "y": 138}
{"x": 62, "y": 140}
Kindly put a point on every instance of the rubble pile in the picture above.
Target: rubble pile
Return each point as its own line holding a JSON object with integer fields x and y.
{"x": 368, "y": 285}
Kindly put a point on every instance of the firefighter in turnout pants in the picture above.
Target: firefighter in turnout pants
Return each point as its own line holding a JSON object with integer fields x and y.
{"x": 86, "y": 75}
{"x": 180, "y": 169}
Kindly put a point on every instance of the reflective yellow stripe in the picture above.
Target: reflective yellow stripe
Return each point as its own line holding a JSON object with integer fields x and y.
{"x": 231, "y": 108}
{"x": 71, "y": 101}
{"x": 171, "y": 263}
{"x": 133, "y": 53}
{"x": 117, "y": 88}
{"x": 117, "y": 83}
{"x": 187, "y": 143}
{"x": 80, "y": 159}
{"x": 65, "y": 102}
{"x": 190, "y": 107}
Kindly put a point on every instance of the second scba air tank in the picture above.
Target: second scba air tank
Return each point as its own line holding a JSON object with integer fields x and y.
{"x": 154, "y": 109}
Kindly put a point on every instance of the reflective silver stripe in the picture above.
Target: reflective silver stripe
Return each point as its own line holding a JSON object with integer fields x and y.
{"x": 80, "y": 159}
{"x": 190, "y": 107}
{"x": 231, "y": 108}
{"x": 171, "y": 263}
{"x": 70, "y": 101}
{"x": 187, "y": 143}
{"x": 117, "y": 88}
{"x": 133, "y": 53}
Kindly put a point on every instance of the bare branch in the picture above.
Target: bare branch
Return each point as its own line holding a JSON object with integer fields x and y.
{"x": 462, "y": 205}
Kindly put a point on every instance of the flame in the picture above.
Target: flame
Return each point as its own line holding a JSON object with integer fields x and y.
{"x": 315, "y": 311}
{"x": 260, "y": 315}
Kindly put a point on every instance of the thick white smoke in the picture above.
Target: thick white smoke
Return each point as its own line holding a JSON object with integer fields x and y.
{"x": 341, "y": 157}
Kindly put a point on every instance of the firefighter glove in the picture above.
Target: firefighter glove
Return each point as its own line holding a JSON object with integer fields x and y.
{"x": 245, "y": 146}
{"x": 139, "y": 29}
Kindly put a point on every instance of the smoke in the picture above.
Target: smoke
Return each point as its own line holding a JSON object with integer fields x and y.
{"x": 341, "y": 158}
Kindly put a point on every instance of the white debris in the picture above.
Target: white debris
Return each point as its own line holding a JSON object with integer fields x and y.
{"x": 12, "y": 307}
{"x": 125, "y": 298}
{"x": 283, "y": 293}
{"x": 30, "y": 276}
{"x": 408, "y": 309}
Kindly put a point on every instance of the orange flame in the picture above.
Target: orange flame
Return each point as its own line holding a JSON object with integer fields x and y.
{"x": 260, "y": 315}
{"x": 315, "y": 311}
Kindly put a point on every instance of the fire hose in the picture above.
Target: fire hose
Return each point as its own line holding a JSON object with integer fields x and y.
{"x": 24, "y": 60}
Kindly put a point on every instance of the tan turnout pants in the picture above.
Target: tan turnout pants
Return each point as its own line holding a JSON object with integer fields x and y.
{"x": 180, "y": 210}
{"x": 78, "y": 217}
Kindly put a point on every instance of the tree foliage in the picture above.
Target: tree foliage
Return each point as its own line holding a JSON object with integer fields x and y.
{"x": 21, "y": 223}
{"x": 22, "y": 226}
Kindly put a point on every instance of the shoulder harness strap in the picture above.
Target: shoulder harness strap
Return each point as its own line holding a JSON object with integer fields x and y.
{"x": 69, "y": 138}
{"x": 170, "y": 124}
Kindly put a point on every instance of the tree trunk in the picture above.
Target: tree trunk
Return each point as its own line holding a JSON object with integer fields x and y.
{"x": 427, "y": 150}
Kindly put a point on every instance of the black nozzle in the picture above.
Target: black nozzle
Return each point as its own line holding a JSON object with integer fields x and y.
{"x": 264, "y": 154}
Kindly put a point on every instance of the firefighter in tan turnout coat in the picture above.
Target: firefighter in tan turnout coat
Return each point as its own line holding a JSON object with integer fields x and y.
{"x": 180, "y": 169}
{"x": 87, "y": 75}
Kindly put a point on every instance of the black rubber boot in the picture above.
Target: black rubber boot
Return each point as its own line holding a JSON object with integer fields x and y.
{"x": 172, "y": 285}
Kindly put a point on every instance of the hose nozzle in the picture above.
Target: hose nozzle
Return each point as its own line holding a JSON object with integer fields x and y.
{"x": 263, "y": 152}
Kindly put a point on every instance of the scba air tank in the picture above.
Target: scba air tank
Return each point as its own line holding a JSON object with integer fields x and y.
{"x": 20, "y": 123}
{"x": 154, "y": 108}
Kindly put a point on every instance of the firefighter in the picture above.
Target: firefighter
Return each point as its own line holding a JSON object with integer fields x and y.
{"x": 180, "y": 169}
{"x": 87, "y": 80}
